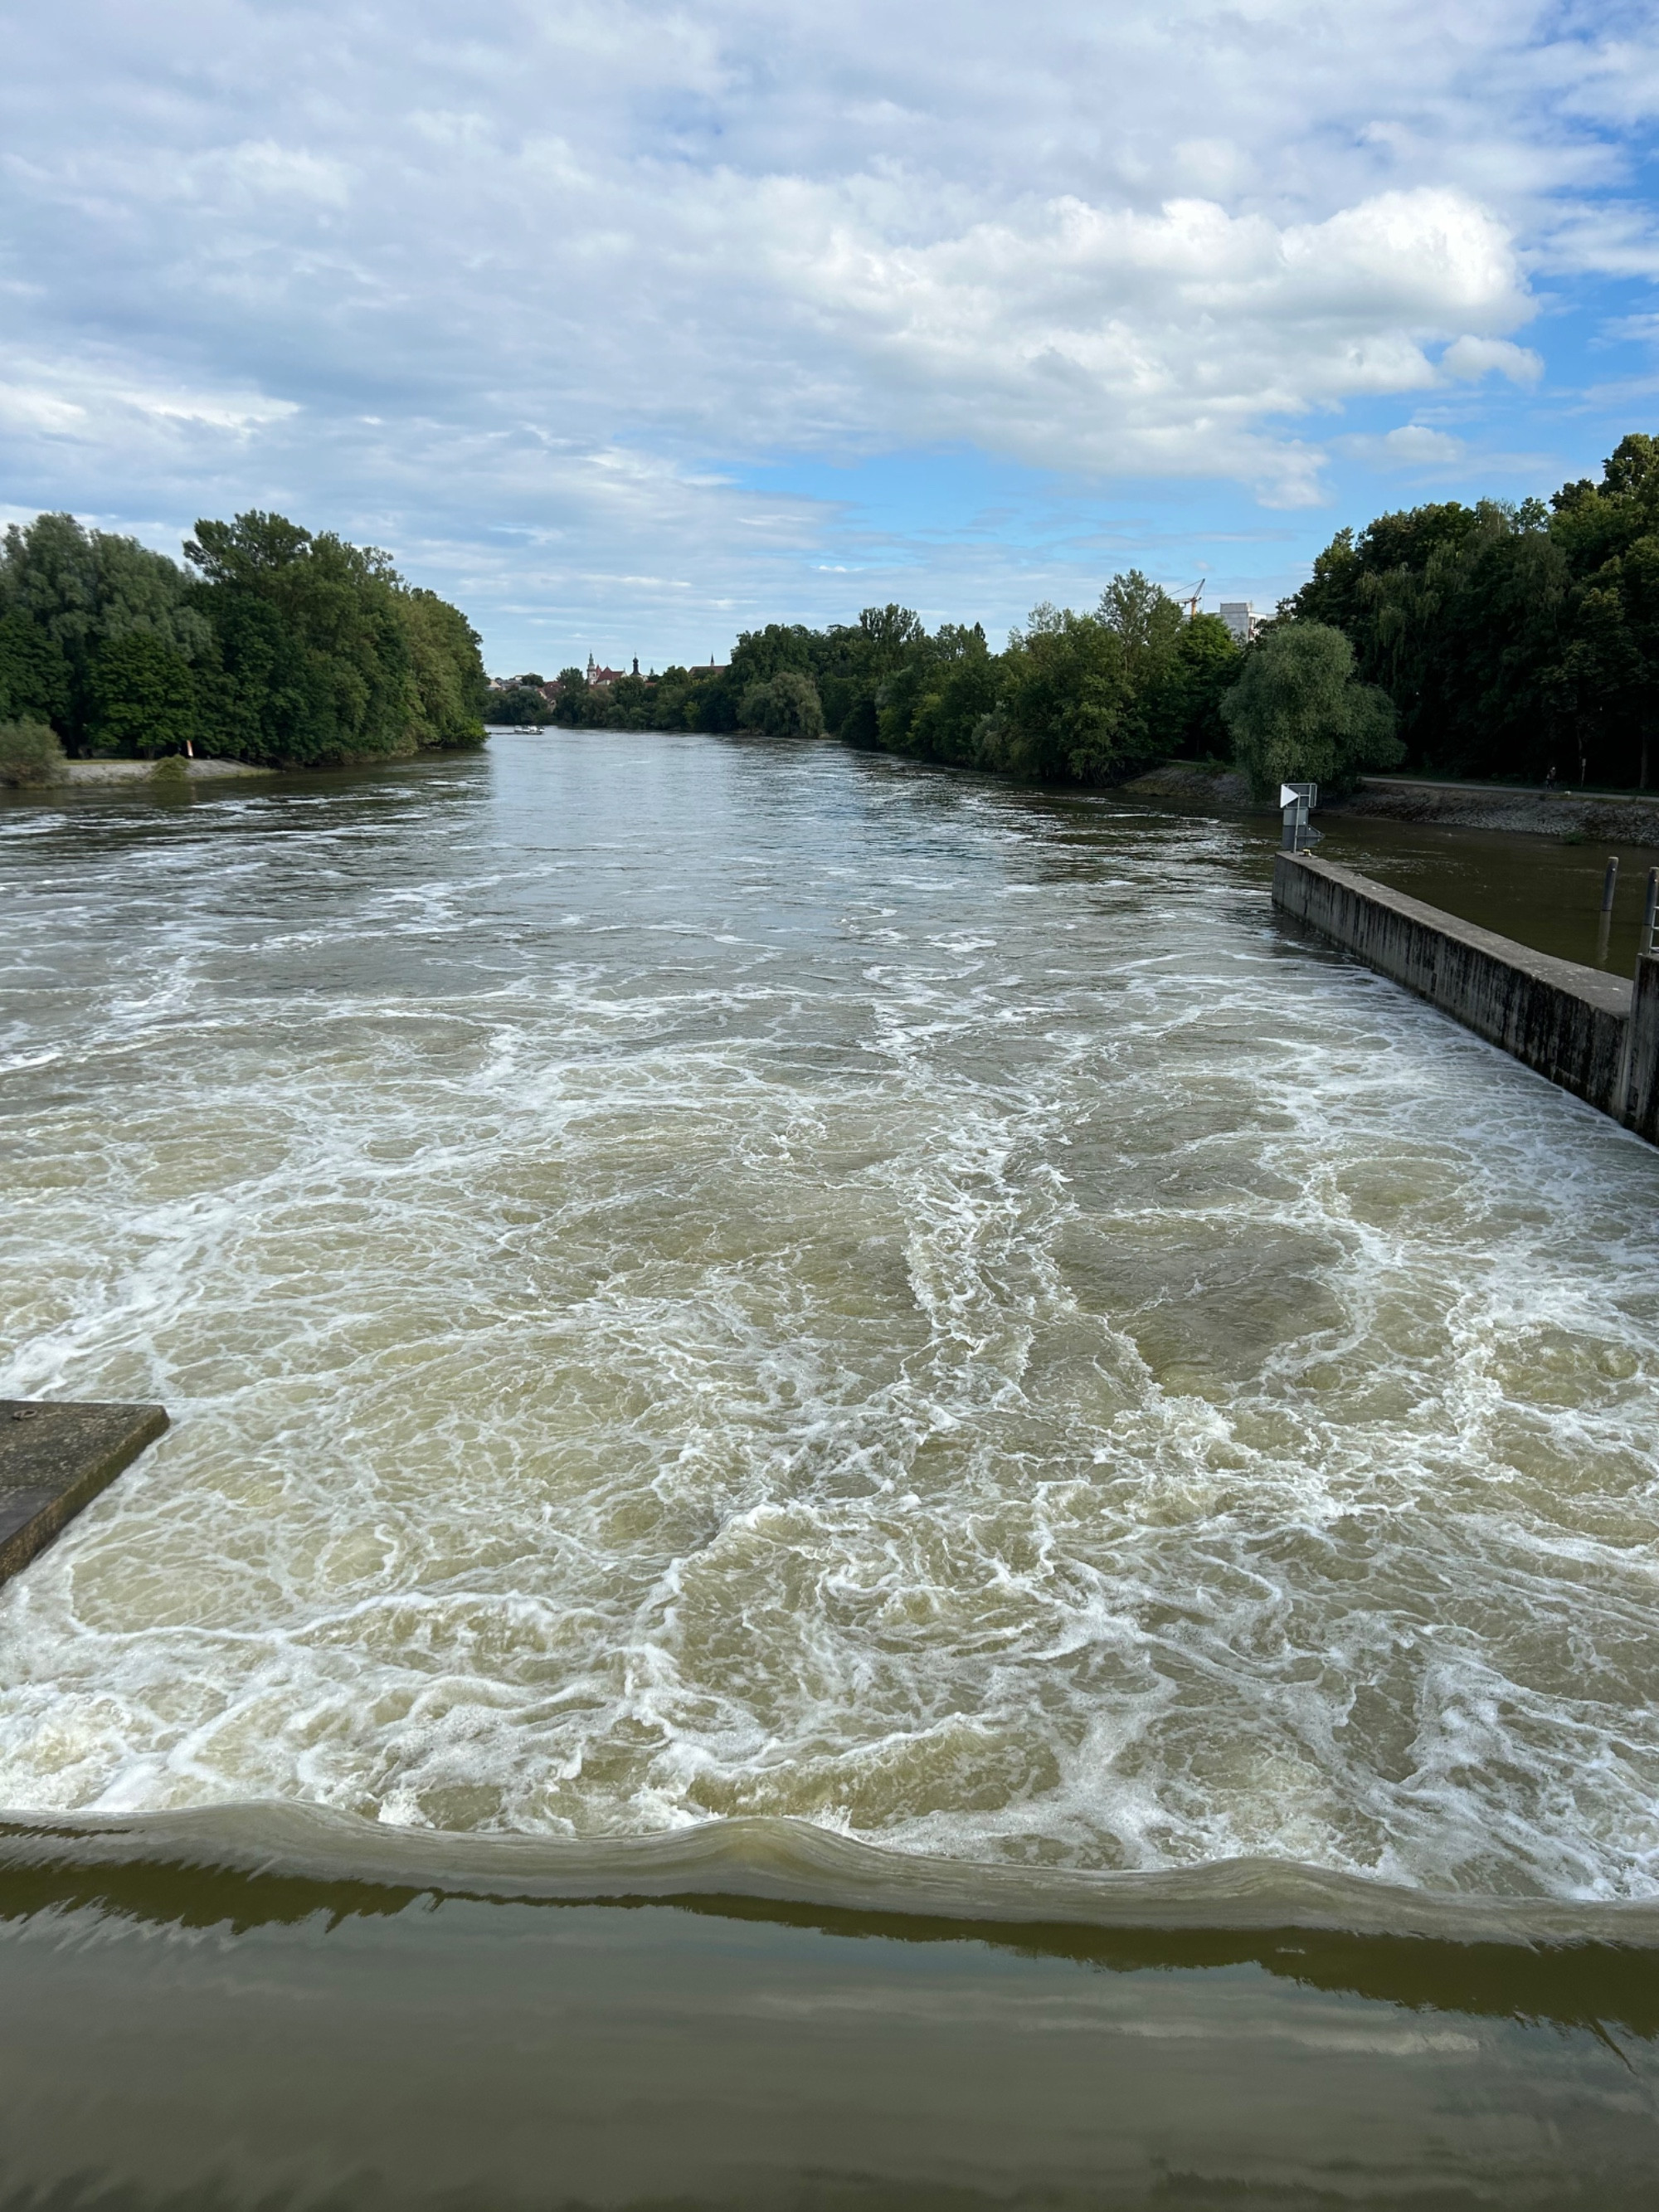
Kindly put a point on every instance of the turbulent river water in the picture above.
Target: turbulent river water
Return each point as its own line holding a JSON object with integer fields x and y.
{"x": 698, "y": 1278}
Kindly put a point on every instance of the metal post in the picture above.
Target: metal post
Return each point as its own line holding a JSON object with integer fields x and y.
{"x": 1650, "y": 910}
{"x": 1609, "y": 884}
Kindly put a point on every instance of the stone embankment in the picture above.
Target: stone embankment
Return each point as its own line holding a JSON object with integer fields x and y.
{"x": 1611, "y": 817}
{"x": 1594, "y": 1034}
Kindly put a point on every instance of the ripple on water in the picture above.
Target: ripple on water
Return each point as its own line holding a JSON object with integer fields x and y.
{"x": 975, "y": 1342}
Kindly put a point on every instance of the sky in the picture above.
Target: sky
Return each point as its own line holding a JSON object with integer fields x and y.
{"x": 631, "y": 326}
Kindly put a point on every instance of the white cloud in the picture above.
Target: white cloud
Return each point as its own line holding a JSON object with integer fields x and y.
{"x": 103, "y": 404}
{"x": 30, "y": 407}
{"x": 1413, "y": 445}
{"x": 1470, "y": 358}
{"x": 441, "y": 273}
{"x": 1075, "y": 336}
{"x": 1606, "y": 238}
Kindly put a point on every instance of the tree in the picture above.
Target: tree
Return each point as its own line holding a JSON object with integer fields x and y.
{"x": 935, "y": 702}
{"x": 282, "y": 646}
{"x": 142, "y": 697}
{"x": 326, "y": 654}
{"x": 76, "y": 591}
{"x": 523, "y": 707}
{"x": 1511, "y": 635}
{"x": 34, "y": 675}
{"x": 1605, "y": 681}
{"x": 1181, "y": 713}
{"x": 1147, "y": 621}
{"x": 29, "y": 754}
{"x": 568, "y": 706}
{"x": 1063, "y": 702}
{"x": 445, "y": 658}
{"x": 1298, "y": 712}
{"x": 332, "y": 624}
{"x": 857, "y": 660}
{"x": 266, "y": 700}
{"x": 787, "y": 706}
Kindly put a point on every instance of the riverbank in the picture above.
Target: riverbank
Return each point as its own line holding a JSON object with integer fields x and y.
{"x": 1616, "y": 818}
{"x": 1619, "y": 818}
{"x": 199, "y": 771}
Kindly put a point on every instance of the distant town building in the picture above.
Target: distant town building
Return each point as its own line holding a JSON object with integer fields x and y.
{"x": 1240, "y": 619}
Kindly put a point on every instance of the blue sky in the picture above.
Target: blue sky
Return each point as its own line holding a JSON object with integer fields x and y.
{"x": 628, "y": 326}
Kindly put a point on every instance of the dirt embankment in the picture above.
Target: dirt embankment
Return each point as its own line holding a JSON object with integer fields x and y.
{"x": 136, "y": 771}
{"x": 1632, "y": 819}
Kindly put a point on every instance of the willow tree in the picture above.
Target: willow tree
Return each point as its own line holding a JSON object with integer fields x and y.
{"x": 1299, "y": 712}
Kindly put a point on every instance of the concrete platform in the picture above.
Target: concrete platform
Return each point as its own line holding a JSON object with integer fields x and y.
{"x": 54, "y": 1459}
{"x": 1571, "y": 1024}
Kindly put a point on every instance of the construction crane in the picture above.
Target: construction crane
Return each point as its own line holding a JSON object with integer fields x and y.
{"x": 1194, "y": 597}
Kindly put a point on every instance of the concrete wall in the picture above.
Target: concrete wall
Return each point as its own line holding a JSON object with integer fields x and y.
{"x": 1570, "y": 1023}
{"x": 1642, "y": 1094}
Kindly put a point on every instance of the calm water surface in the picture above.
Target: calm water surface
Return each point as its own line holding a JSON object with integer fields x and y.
{"x": 694, "y": 1278}
{"x": 1541, "y": 890}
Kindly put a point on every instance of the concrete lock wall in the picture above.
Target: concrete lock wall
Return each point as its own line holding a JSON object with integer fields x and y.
{"x": 1642, "y": 1094}
{"x": 1570, "y": 1023}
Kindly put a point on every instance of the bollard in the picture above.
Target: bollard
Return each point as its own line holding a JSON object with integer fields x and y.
{"x": 1604, "y": 928}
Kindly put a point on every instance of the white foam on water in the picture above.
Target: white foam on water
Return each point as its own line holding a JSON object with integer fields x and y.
{"x": 949, "y": 1324}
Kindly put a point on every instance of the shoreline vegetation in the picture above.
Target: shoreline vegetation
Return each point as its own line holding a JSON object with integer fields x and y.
{"x": 271, "y": 648}
{"x": 1501, "y": 642}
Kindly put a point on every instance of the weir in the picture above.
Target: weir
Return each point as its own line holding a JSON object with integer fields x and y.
{"x": 1596, "y": 1035}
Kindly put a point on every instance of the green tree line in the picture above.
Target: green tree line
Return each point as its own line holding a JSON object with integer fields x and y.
{"x": 1512, "y": 637}
{"x": 270, "y": 645}
{"x": 1079, "y": 698}
{"x": 1494, "y": 640}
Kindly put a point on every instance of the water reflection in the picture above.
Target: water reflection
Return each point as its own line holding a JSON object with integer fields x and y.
{"x": 207, "y": 2037}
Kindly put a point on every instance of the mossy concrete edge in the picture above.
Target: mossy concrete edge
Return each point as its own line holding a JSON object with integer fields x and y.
{"x": 56, "y": 1456}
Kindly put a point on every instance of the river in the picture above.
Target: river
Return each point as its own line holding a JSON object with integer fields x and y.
{"x": 695, "y": 1277}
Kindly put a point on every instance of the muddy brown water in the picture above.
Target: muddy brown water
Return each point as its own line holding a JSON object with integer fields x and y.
{"x": 1543, "y": 892}
{"x": 713, "y": 1290}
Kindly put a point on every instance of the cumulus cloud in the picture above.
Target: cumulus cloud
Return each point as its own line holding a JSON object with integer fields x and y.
{"x": 1472, "y": 358}
{"x": 1413, "y": 445}
{"x": 551, "y": 277}
{"x": 1159, "y": 342}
